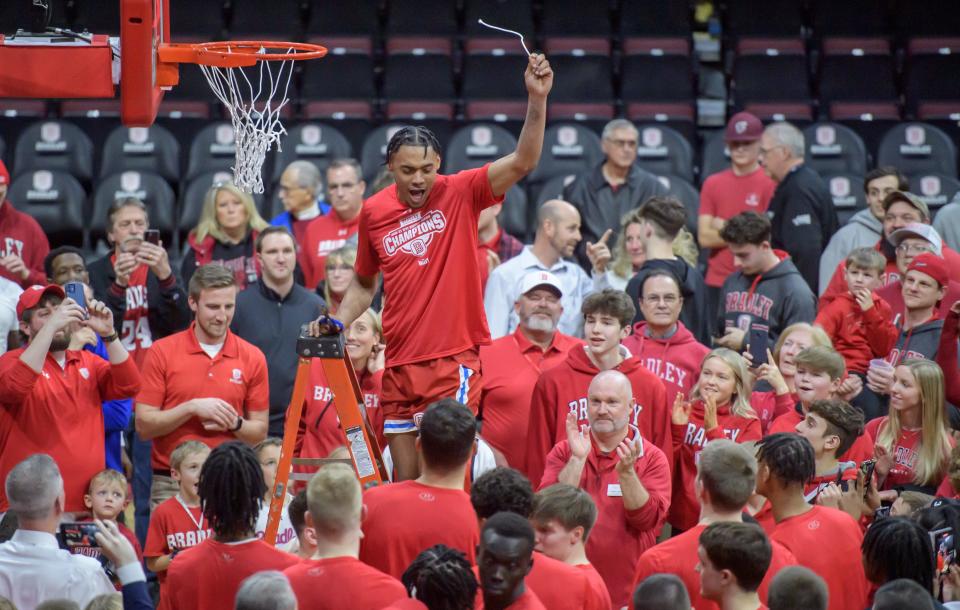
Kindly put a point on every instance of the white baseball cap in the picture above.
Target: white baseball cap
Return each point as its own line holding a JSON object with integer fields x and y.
{"x": 540, "y": 279}
{"x": 923, "y": 231}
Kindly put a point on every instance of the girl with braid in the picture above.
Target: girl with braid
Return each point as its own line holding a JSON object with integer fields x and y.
{"x": 421, "y": 234}
{"x": 207, "y": 576}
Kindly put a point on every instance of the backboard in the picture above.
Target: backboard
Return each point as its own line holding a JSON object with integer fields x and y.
{"x": 144, "y": 25}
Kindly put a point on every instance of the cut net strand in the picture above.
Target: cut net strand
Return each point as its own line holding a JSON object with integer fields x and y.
{"x": 255, "y": 116}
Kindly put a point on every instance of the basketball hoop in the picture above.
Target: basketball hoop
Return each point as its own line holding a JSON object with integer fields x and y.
{"x": 255, "y": 101}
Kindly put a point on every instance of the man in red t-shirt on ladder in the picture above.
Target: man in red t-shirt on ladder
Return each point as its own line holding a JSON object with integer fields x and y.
{"x": 422, "y": 235}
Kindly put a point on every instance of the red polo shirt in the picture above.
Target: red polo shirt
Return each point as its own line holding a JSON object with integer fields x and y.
{"x": 59, "y": 411}
{"x": 511, "y": 366}
{"x": 177, "y": 370}
{"x": 322, "y": 236}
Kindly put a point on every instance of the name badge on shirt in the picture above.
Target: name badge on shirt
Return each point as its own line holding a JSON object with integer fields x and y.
{"x": 613, "y": 490}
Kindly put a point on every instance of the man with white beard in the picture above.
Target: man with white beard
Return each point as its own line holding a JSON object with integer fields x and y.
{"x": 512, "y": 365}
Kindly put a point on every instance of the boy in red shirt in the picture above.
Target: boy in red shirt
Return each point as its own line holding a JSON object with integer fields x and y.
{"x": 860, "y": 322}
{"x": 106, "y": 498}
{"x": 831, "y": 426}
{"x": 820, "y": 372}
{"x": 563, "y": 389}
{"x": 733, "y": 560}
{"x": 627, "y": 476}
{"x": 562, "y": 518}
{"x": 207, "y": 576}
{"x": 422, "y": 235}
{"x": 404, "y": 518}
{"x": 334, "y": 577}
{"x": 504, "y": 558}
{"x": 823, "y": 539}
{"x": 177, "y": 523}
{"x": 726, "y": 476}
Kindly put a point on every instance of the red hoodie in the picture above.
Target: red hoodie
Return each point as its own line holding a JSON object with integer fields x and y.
{"x": 859, "y": 336}
{"x": 947, "y": 357}
{"x": 20, "y": 234}
{"x": 688, "y": 441}
{"x": 563, "y": 389}
{"x": 619, "y": 536}
{"x": 769, "y": 406}
{"x": 675, "y": 360}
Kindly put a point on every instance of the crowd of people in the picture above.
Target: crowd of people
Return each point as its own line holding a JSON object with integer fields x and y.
{"x": 601, "y": 419}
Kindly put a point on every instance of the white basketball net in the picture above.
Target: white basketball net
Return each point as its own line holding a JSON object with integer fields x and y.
{"x": 254, "y": 112}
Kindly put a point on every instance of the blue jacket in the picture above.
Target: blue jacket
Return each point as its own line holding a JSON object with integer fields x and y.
{"x": 116, "y": 416}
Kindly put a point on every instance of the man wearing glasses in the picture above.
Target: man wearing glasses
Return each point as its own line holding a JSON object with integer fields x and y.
{"x": 301, "y": 193}
{"x": 607, "y": 192}
{"x": 801, "y": 211}
{"x": 345, "y": 187}
{"x": 743, "y": 187}
{"x": 910, "y": 242}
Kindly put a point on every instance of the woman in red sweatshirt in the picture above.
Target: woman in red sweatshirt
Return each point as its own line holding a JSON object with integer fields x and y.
{"x": 913, "y": 444}
{"x": 719, "y": 407}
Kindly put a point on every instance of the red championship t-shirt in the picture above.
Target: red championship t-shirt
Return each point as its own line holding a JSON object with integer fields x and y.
{"x": 511, "y": 366}
{"x": 724, "y": 195}
{"x": 174, "y": 526}
{"x": 59, "y": 411}
{"x": 434, "y": 306}
{"x": 405, "y": 518}
{"x": 320, "y": 431}
{"x": 688, "y": 442}
{"x": 322, "y": 236}
{"x": 336, "y": 583}
{"x": 177, "y": 370}
{"x": 827, "y": 541}
{"x": 208, "y": 576}
{"x": 678, "y": 555}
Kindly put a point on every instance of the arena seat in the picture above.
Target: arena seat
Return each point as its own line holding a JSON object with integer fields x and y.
{"x": 936, "y": 190}
{"x": 145, "y": 149}
{"x": 54, "y": 145}
{"x": 918, "y": 148}
{"x": 688, "y": 195}
{"x": 419, "y": 68}
{"x": 834, "y": 148}
{"x": 663, "y": 151}
{"x": 213, "y": 149}
{"x": 474, "y": 145}
{"x": 568, "y": 148}
{"x": 846, "y": 190}
{"x": 56, "y": 200}
{"x": 150, "y": 188}
{"x": 314, "y": 142}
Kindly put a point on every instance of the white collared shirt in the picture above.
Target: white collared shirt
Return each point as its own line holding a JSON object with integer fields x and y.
{"x": 503, "y": 290}
{"x": 33, "y": 569}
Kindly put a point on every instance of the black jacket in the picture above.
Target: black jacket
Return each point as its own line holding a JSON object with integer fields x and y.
{"x": 775, "y": 299}
{"x": 602, "y": 208}
{"x": 167, "y": 301}
{"x": 273, "y": 325}
{"x": 694, "y": 314}
{"x": 804, "y": 219}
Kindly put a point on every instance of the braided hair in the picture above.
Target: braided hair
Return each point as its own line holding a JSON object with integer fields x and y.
{"x": 413, "y": 136}
{"x": 897, "y": 547}
{"x": 231, "y": 488}
{"x": 789, "y": 457}
{"x": 441, "y": 578}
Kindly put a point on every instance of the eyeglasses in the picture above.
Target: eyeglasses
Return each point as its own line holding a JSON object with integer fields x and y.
{"x": 623, "y": 143}
{"x": 289, "y": 189}
{"x": 913, "y": 248}
{"x": 654, "y": 299}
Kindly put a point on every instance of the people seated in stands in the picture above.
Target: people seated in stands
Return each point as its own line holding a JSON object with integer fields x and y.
{"x": 23, "y": 244}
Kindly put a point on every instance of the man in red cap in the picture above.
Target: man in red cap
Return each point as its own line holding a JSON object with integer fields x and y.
{"x": 23, "y": 244}
{"x": 741, "y": 188}
{"x": 51, "y": 397}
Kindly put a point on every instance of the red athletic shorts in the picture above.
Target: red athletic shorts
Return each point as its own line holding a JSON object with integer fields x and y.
{"x": 409, "y": 389}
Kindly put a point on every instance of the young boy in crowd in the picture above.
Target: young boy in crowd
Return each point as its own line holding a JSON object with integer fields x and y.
{"x": 820, "y": 372}
{"x": 831, "y": 426}
{"x": 106, "y": 498}
{"x": 562, "y": 518}
{"x": 268, "y": 453}
{"x": 733, "y": 559}
{"x": 306, "y": 544}
{"x": 177, "y": 523}
{"x": 860, "y": 322}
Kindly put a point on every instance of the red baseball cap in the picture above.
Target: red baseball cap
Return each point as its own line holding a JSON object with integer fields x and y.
{"x": 30, "y": 297}
{"x": 743, "y": 127}
{"x": 932, "y": 265}
{"x": 4, "y": 174}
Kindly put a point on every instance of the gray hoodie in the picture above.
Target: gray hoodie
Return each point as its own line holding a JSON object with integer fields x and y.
{"x": 947, "y": 224}
{"x": 863, "y": 230}
{"x": 920, "y": 342}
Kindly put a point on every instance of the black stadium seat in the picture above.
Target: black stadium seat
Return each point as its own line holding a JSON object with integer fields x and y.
{"x": 56, "y": 200}
{"x": 870, "y": 121}
{"x": 353, "y": 118}
{"x": 493, "y": 69}
{"x": 770, "y": 70}
{"x": 657, "y": 69}
{"x": 515, "y": 216}
{"x": 834, "y": 148}
{"x": 926, "y": 18}
{"x": 204, "y": 20}
{"x": 936, "y": 190}
{"x": 660, "y": 18}
{"x": 586, "y": 66}
{"x": 147, "y": 149}
{"x": 421, "y": 17}
{"x": 846, "y": 190}
{"x": 663, "y": 151}
{"x": 575, "y": 18}
{"x": 214, "y": 148}
{"x": 688, "y": 195}
{"x": 374, "y": 151}
{"x": 869, "y": 59}
{"x": 714, "y": 157}
{"x": 680, "y": 116}
{"x": 513, "y": 14}
{"x": 568, "y": 148}
{"x": 780, "y": 18}
{"x": 354, "y": 18}
{"x": 323, "y": 79}
{"x": 928, "y": 73}
{"x": 551, "y": 189}
{"x": 864, "y": 18}
{"x": 435, "y": 116}
{"x": 149, "y": 188}
{"x": 55, "y": 145}
{"x": 918, "y": 148}
{"x": 284, "y": 20}
{"x": 594, "y": 116}
{"x": 474, "y": 145}
{"x": 419, "y": 68}
{"x": 509, "y": 114}
{"x": 314, "y": 142}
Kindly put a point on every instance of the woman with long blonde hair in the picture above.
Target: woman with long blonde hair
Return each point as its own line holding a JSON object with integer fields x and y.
{"x": 339, "y": 273}
{"x": 913, "y": 443}
{"x": 719, "y": 407}
{"x": 225, "y": 234}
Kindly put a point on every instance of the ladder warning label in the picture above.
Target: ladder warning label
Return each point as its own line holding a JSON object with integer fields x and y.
{"x": 360, "y": 452}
